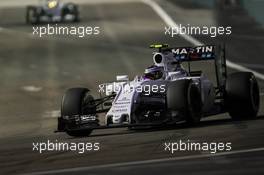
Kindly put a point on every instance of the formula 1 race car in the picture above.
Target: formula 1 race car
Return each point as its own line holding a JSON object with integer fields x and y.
{"x": 166, "y": 94}
{"x": 52, "y": 11}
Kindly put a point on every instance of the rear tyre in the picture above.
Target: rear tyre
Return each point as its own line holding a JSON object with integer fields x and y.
{"x": 185, "y": 97}
{"x": 77, "y": 101}
{"x": 71, "y": 9}
{"x": 242, "y": 95}
{"x": 32, "y": 16}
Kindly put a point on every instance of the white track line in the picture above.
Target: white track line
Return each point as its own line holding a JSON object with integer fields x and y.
{"x": 242, "y": 68}
{"x": 32, "y": 88}
{"x": 170, "y": 22}
{"x": 255, "y": 66}
{"x": 78, "y": 169}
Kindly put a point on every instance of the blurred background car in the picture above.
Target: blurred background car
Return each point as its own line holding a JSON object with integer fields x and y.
{"x": 52, "y": 11}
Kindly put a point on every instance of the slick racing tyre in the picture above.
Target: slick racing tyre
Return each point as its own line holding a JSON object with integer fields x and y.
{"x": 32, "y": 16}
{"x": 242, "y": 95}
{"x": 77, "y": 101}
{"x": 185, "y": 97}
{"x": 71, "y": 9}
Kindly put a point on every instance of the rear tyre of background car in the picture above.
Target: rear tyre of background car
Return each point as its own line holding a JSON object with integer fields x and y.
{"x": 32, "y": 16}
{"x": 242, "y": 95}
{"x": 184, "y": 96}
{"x": 71, "y": 9}
{"x": 77, "y": 101}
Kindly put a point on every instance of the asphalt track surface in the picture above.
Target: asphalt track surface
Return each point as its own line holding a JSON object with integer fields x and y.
{"x": 35, "y": 72}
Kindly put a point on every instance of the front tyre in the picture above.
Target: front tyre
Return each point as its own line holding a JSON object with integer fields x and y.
{"x": 242, "y": 95}
{"x": 77, "y": 101}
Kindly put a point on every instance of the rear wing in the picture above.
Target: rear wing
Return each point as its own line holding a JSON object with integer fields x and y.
{"x": 200, "y": 53}
{"x": 205, "y": 53}
{"x": 184, "y": 54}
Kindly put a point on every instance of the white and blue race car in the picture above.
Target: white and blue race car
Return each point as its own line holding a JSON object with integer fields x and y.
{"x": 166, "y": 94}
{"x": 52, "y": 11}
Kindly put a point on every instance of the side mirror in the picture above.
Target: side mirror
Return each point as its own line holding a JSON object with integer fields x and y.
{"x": 122, "y": 78}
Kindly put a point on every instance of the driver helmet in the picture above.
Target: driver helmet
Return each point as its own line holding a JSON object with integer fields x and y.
{"x": 153, "y": 73}
{"x": 52, "y": 3}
